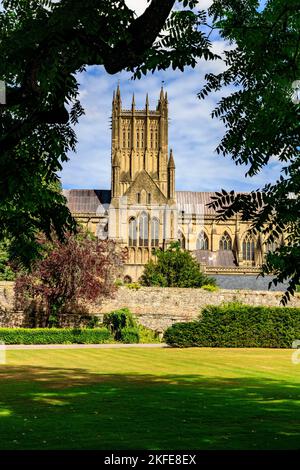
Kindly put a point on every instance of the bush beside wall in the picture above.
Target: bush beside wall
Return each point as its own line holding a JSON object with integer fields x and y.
{"x": 130, "y": 335}
{"x": 237, "y": 325}
{"x": 55, "y": 336}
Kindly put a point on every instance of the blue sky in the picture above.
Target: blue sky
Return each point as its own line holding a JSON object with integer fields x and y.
{"x": 193, "y": 135}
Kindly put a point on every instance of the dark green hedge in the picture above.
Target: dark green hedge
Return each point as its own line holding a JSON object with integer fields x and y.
{"x": 238, "y": 326}
{"x": 130, "y": 335}
{"x": 55, "y": 336}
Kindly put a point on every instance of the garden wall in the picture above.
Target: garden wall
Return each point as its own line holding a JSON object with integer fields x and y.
{"x": 155, "y": 307}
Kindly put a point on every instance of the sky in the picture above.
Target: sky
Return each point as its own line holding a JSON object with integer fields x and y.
{"x": 193, "y": 134}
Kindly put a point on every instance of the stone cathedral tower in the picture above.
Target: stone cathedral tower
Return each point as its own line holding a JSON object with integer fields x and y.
{"x": 140, "y": 144}
{"x": 142, "y": 213}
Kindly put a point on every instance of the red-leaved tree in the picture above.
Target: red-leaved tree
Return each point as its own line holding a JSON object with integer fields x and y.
{"x": 72, "y": 273}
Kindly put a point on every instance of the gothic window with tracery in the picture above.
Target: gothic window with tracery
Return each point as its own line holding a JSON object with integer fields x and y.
{"x": 225, "y": 242}
{"x": 248, "y": 248}
{"x": 271, "y": 246}
{"x": 143, "y": 230}
{"x": 181, "y": 239}
{"x": 155, "y": 232}
{"x": 132, "y": 232}
{"x": 202, "y": 241}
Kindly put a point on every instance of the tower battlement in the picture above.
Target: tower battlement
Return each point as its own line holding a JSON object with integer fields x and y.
{"x": 139, "y": 143}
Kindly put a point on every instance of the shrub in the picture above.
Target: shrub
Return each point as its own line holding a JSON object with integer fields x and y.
{"x": 133, "y": 286}
{"x": 130, "y": 335}
{"x": 174, "y": 268}
{"x": 81, "y": 269}
{"x": 6, "y": 272}
{"x": 92, "y": 321}
{"x": 210, "y": 288}
{"x": 118, "y": 320}
{"x": 147, "y": 335}
{"x": 55, "y": 336}
{"x": 236, "y": 325}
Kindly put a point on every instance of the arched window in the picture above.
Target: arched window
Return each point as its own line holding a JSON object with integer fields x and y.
{"x": 155, "y": 232}
{"x": 202, "y": 241}
{"x": 132, "y": 232}
{"x": 181, "y": 239}
{"x": 248, "y": 248}
{"x": 172, "y": 224}
{"x": 144, "y": 230}
{"x": 225, "y": 242}
{"x": 271, "y": 246}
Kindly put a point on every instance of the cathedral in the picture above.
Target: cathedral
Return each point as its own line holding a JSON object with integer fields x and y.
{"x": 143, "y": 211}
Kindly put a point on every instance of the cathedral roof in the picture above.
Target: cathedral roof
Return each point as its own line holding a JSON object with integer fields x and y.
{"x": 90, "y": 201}
{"x": 194, "y": 202}
{"x": 87, "y": 201}
{"x": 217, "y": 258}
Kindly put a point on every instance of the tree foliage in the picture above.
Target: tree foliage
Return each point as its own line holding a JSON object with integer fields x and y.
{"x": 71, "y": 273}
{"x": 262, "y": 121}
{"x": 6, "y": 271}
{"x": 43, "y": 46}
{"x": 174, "y": 267}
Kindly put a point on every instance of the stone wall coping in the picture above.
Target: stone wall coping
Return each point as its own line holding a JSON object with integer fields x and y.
{"x": 205, "y": 292}
{"x": 185, "y": 289}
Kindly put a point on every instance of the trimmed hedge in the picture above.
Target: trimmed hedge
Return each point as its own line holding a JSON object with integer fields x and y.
{"x": 130, "y": 335}
{"x": 55, "y": 336}
{"x": 238, "y": 326}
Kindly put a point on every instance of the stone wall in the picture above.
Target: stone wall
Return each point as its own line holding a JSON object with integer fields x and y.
{"x": 156, "y": 308}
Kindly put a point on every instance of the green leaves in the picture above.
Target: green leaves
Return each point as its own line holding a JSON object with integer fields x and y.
{"x": 262, "y": 124}
{"x": 174, "y": 268}
{"x": 237, "y": 325}
{"x": 43, "y": 44}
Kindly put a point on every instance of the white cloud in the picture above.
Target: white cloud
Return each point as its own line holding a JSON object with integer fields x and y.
{"x": 193, "y": 135}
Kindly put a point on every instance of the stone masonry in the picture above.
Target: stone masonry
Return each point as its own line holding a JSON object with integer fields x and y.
{"x": 155, "y": 307}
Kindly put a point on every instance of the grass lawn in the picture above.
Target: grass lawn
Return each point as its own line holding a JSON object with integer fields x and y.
{"x": 150, "y": 399}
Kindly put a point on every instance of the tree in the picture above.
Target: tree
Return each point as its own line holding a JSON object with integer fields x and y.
{"x": 6, "y": 271}
{"x": 262, "y": 122}
{"x": 43, "y": 45}
{"x": 174, "y": 268}
{"x": 81, "y": 269}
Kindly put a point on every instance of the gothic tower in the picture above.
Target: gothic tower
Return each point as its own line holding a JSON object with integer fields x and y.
{"x": 140, "y": 142}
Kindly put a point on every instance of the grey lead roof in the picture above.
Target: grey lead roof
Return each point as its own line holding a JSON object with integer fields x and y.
{"x": 87, "y": 201}
{"x": 90, "y": 201}
{"x": 218, "y": 258}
